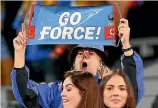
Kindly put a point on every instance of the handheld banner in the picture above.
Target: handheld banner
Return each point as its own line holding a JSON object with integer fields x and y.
{"x": 71, "y": 25}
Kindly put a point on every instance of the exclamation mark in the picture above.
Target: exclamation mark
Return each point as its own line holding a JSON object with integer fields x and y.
{"x": 98, "y": 33}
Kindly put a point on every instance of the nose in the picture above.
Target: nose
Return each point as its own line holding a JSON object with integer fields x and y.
{"x": 115, "y": 92}
{"x": 63, "y": 94}
{"x": 86, "y": 54}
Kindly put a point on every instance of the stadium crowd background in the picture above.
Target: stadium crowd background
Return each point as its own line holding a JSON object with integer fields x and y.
{"x": 47, "y": 66}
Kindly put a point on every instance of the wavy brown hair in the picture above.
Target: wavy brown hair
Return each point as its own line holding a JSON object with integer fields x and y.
{"x": 88, "y": 87}
{"x": 131, "y": 102}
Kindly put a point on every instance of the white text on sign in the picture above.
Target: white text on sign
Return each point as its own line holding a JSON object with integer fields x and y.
{"x": 78, "y": 32}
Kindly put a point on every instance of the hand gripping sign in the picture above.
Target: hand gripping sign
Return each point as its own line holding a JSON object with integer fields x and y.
{"x": 71, "y": 25}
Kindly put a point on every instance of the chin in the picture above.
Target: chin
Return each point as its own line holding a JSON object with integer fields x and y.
{"x": 67, "y": 106}
{"x": 116, "y": 106}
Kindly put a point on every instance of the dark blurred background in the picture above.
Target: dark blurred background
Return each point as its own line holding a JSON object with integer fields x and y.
{"x": 48, "y": 62}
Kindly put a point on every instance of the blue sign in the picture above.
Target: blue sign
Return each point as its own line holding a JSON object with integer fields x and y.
{"x": 73, "y": 25}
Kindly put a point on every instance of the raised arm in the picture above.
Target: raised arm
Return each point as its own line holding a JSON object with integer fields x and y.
{"x": 131, "y": 62}
{"x": 27, "y": 92}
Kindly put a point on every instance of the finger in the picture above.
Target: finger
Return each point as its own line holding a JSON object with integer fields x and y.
{"x": 16, "y": 41}
{"x": 20, "y": 34}
{"x": 123, "y": 29}
{"x": 25, "y": 35}
{"x": 23, "y": 30}
{"x": 123, "y": 20}
{"x": 120, "y": 35}
{"x": 23, "y": 27}
{"x": 21, "y": 39}
{"x": 122, "y": 26}
{"x": 121, "y": 32}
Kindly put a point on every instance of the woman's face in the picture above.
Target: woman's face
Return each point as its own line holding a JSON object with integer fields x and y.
{"x": 115, "y": 92}
{"x": 70, "y": 95}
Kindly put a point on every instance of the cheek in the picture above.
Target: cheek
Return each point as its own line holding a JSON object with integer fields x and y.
{"x": 76, "y": 100}
{"x": 106, "y": 97}
{"x": 96, "y": 63}
{"x": 124, "y": 96}
{"x": 96, "y": 58}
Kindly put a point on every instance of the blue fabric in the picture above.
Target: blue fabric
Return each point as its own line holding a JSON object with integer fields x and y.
{"x": 49, "y": 94}
{"x": 15, "y": 88}
{"x": 140, "y": 76}
{"x": 99, "y": 47}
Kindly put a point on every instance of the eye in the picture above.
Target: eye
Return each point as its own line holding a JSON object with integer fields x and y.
{"x": 80, "y": 53}
{"x": 122, "y": 89}
{"x": 109, "y": 88}
{"x": 68, "y": 89}
{"x": 91, "y": 53}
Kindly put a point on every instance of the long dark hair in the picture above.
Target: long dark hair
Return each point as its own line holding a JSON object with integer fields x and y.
{"x": 131, "y": 102}
{"x": 89, "y": 91}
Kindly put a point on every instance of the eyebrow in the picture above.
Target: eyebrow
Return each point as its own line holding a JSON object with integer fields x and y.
{"x": 68, "y": 85}
{"x": 113, "y": 85}
{"x": 122, "y": 85}
{"x": 110, "y": 85}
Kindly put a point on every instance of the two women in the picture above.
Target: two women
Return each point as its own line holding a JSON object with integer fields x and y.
{"x": 80, "y": 90}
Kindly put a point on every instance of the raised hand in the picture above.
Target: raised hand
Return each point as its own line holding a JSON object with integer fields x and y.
{"x": 21, "y": 40}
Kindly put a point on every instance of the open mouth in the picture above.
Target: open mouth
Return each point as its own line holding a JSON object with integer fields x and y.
{"x": 65, "y": 101}
{"x": 84, "y": 66}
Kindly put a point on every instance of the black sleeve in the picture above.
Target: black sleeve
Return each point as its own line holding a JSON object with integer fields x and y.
{"x": 129, "y": 67}
{"x": 28, "y": 96}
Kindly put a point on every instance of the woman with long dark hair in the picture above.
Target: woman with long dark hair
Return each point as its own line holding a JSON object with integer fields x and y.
{"x": 80, "y": 90}
{"x": 117, "y": 91}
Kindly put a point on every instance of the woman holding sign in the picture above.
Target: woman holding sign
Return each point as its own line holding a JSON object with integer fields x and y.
{"x": 89, "y": 58}
{"x": 80, "y": 90}
{"x": 117, "y": 91}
